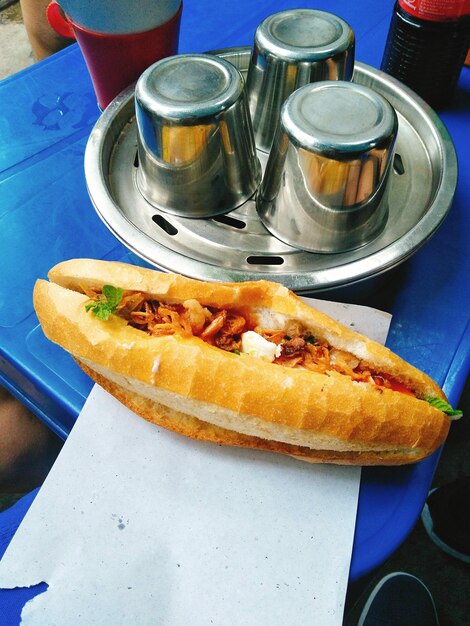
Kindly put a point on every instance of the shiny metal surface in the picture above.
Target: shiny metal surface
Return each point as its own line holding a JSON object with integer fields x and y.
{"x": 325, "y": 185}
{"x": 293, "y": 48}
{"x": 197, "y": 156}
{"x": 119, "y": 16}
{"x": 236, "y": 246}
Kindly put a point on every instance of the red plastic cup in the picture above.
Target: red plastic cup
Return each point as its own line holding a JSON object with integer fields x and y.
{"x": 115, "y": 61}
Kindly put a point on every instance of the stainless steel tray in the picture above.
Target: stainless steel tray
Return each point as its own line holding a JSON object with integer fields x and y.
{"x": 236, "y": 246}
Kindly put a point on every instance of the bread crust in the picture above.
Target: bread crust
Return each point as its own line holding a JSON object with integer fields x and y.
{"x": 265, "y": 405}
{"x": 190, "y": 426}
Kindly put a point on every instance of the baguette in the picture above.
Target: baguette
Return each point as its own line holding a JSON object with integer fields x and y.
{"x": 327, "y": 394}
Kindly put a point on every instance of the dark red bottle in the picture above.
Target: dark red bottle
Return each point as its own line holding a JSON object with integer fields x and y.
{"x": 426, "y": 46}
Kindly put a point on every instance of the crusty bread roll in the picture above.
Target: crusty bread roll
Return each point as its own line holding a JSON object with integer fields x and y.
{"x": 192, "y": 386}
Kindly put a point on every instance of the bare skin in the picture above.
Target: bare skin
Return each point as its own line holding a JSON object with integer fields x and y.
{"x": 42, "y": 37}
{"x": 28, "y": 448}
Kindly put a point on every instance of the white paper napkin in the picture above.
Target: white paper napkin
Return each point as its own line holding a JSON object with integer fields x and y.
{"x": 137, "y": 525}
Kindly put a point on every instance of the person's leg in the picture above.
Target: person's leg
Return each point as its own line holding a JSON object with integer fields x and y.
{"x": 28, "y": 448}
{"x": 43, "y": 38}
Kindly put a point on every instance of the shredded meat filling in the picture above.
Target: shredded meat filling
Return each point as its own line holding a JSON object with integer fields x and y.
{"x": 223, "y": 329}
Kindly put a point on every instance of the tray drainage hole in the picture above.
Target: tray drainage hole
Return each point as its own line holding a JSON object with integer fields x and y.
{"x": 229, "y": 221}
{"x": 398, "y": 166}
{"x": 165, "y": 225}
{"x": 265, "y": 260}
{"x": 136, "y": 159}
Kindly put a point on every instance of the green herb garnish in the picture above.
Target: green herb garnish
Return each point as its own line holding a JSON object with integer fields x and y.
{"x": 107, "y": 302}
{"x": 444, "y": 406}
{"x": 310, "y": 339}
{"x": 235, "y": 351}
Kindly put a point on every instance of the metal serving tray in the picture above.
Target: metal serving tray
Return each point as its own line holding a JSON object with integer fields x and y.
{"x": 236, "y": 246}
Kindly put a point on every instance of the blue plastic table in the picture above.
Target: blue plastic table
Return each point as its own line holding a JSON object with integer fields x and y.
{"x": 47, "y": 113}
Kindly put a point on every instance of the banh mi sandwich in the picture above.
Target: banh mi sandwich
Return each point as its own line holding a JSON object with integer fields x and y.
{"x": 243, "y": 364}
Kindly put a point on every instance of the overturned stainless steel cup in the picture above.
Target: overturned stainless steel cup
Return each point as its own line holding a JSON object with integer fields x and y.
{"x": 197, "y": 156}
{"x": 326, "y": 180}
{"x": 291, "y": 49}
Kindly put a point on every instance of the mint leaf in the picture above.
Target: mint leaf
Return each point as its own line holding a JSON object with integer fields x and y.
{"x": 113, "y": 296}
{"x": 107, "y": 302}
{"x": 444, "y": 406}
